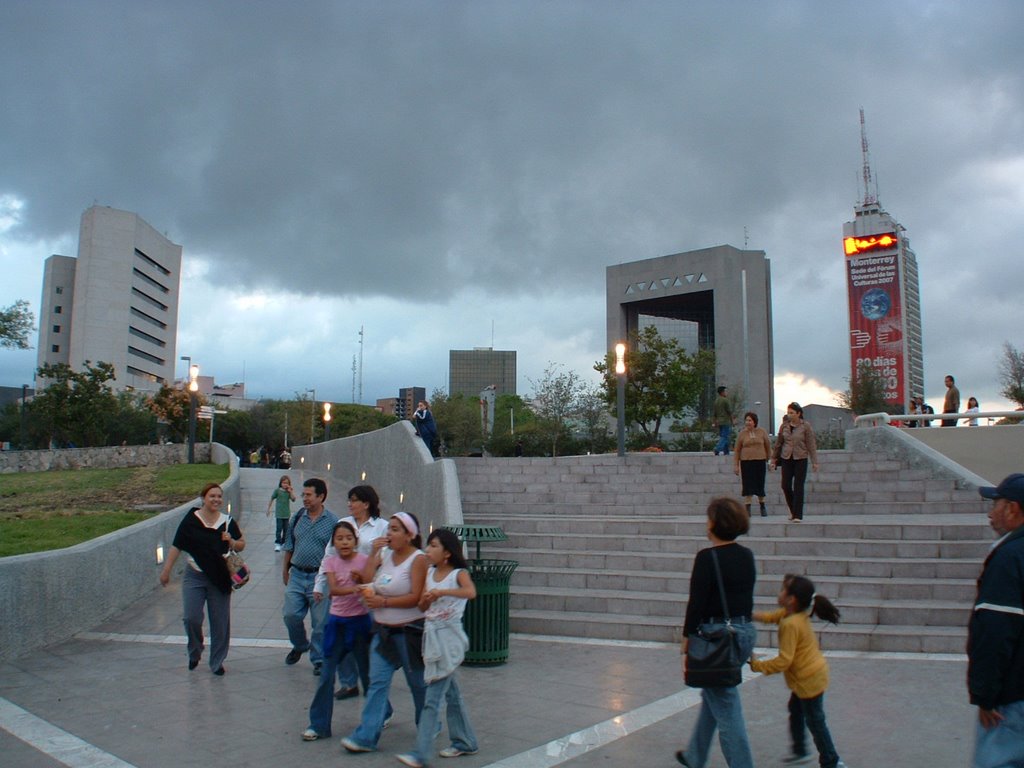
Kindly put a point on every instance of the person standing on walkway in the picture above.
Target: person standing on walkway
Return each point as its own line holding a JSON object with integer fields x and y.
{"x": 794, "y": 445}
{"x": 426, "y": 428}
{"x": 752, "y": 451}
{"x": 281, "y": 502}
{"x": 447, "y": 588}
{"x": 995, "y": 634}
{"x": 804, "y": 667}
{"x": 723, "y": 419}
{"x": 721, "y": 707}
{"x": 206, "y": 535}
{"x": 951, "y": 404}
{"x": 364, "y": 517}
{"x": 397, "y": 573}
{"x": 308, "y": 535}
{"x": 973, "y": 407}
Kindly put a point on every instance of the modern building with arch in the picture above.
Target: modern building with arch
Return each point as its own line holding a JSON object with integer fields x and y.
{"x": 714, "y": 298}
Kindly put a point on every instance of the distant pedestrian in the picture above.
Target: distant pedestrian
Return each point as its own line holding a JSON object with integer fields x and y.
{"x": 951, "y": 403}
{"x": 425, "y": 426}
{"x": 804, "y": 667}
{"x": 281, "y": 501}
{"x": 723, "y": 420}
{"x": 752, "y": 452}
{"x": 973, "y": 407}
{"x": 794, "y": 446}
{"x": 995, "y": 634}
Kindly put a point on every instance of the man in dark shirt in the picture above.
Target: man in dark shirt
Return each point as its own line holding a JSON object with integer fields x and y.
{"x": 995, "y": 634}
{"x": 308, "y": 535}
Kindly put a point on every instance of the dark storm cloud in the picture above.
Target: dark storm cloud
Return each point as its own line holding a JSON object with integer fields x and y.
{"x": 414, "y": 150}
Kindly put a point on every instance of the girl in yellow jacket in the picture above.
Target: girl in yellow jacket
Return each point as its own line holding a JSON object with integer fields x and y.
{"x": 804, "y": 667}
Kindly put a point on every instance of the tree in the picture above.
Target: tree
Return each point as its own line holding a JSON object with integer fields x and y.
{"x": 662, "y": 380}
{"x": 171, "y": 408}
{"x": 15, "y": 325}
{"x": 76, "y": 406}
{"x": 458, "y": 422}
{"x": 866, "y": 393}
{"x": 593, "y": 417}
{"x": 1011, "y": 374}
{"x": 556, "y": 400}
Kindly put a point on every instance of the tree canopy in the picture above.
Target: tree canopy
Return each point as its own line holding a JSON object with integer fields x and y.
{"x": 662, "y": 381}
{"x": 866, "y": 393}
{"x": 16, "y": 325}
{"x": 1011, "y": 374}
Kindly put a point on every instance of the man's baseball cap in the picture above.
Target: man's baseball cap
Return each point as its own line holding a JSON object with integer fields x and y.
{"x": 1012, "y": 489}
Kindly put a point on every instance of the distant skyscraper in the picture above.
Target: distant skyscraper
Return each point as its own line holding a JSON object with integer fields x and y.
{"x": 471, "y": 370}
{"x": 408, "y": 399}
{"x": 116, "y": 303}
{"x": 884, "y": 298}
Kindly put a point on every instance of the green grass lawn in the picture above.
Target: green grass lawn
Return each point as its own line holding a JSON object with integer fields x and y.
{"x": 51, "y": 510}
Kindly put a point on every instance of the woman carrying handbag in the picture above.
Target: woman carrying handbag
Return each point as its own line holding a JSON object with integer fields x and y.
{"x": 710, "y": 613}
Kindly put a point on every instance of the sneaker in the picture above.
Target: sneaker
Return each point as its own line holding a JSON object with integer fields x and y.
{"x": 410, "y": 760}
{"x": 310, "y": 735}
{"x": 797, "y": 759}
{"x": 354, "y": 746}
{"x": 277, "y": 547}
{"x": 456, "y": 752}
{"x": 346, "y": 693}
{"x": 293, "y": 656}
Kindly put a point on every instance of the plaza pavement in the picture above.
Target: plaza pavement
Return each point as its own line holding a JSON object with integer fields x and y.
{"x": 121, "y": 696}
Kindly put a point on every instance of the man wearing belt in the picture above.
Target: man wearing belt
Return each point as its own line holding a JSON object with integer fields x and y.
{"x": 308, "y": 535}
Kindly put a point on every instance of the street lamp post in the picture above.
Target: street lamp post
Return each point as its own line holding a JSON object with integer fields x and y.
{"x": 193, "y": 388}
{"x": 620, "y": 394}
{"x": 327, "y": 422}
{"x": 312, "y": 416}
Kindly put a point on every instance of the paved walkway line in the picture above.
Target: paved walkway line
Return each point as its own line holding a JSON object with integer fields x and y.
{"x": 54, "y": 742}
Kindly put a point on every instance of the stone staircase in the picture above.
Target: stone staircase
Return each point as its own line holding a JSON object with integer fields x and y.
{"x": 605, "y": 545}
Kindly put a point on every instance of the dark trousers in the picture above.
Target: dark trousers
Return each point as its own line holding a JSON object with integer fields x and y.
{"x": 794, "y": 475}
{"x": 810, "y": 714}
{"x": 280, "y": 530}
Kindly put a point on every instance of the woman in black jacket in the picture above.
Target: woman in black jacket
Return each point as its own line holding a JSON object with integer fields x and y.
{"x": 206, "y": 535}
{"x": 720, "y": 707}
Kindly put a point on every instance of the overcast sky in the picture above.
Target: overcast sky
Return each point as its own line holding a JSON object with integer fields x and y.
{"x": 455, "y": 174}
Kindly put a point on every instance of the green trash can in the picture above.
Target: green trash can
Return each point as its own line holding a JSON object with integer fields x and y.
{"x": 486, "y": 619}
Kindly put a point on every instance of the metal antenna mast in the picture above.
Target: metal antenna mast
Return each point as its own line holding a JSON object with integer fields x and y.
{"x": 869, "y": 197}
{"x": 353, "y": 378}
{"x": 360, "y": 364}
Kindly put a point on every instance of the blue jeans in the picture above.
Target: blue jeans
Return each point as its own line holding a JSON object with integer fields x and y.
{"x": 722, "y": 446}
{"x": 459, "y": 729}
{"x": 321, "y": 710}
{"x": 811, "y": 712}
{"x": 721, "y": 708}
{"x": 298, "y": 600}
{"x": 1002, "y": 746}
{"x": 377, "y": 709}
{"x": 279, "y": 530}
{"x": 348, "y": 674}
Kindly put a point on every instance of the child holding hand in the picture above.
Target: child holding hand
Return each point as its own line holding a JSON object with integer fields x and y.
{"x": 803, "y": 666}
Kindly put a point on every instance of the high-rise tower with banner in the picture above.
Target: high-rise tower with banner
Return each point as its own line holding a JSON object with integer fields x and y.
{"x": 884, "y": 297}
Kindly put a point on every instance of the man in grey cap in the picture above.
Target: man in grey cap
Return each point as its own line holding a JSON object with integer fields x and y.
{"x": 995, "y": 635}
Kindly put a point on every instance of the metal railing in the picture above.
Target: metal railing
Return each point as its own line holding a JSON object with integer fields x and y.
{"x": 877, "y": 419}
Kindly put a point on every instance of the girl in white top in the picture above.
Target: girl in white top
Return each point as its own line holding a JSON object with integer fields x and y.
{"x": 396, "y": 573}
{"x": 448, "y": 587}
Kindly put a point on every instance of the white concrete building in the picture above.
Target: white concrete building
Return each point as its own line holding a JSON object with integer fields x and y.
{"x": 116, "y": 303}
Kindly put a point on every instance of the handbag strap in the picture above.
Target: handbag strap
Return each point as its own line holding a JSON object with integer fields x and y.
{"x": 721, "y": 586}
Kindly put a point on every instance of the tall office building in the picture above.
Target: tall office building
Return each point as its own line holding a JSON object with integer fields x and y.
{"x": 470, "y": 371}
{"x": 116, "y": 303}
{"x": 884, "y": 298}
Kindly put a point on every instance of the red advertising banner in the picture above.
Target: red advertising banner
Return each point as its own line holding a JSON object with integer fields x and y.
{"x": 874, "y": 284}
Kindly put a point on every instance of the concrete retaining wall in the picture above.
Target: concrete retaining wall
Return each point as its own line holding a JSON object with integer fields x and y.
{"x": 395, "y": 462}
{"x": 117, "y": 456}
{"x": 46, "y": 597}
{"x": 898, "y": 444}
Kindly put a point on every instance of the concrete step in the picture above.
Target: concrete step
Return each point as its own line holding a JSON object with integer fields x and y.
{"x": 846, "y": 637}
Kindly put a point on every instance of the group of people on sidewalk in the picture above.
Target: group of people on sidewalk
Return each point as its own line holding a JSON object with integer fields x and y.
{"x": 379, "y": 603}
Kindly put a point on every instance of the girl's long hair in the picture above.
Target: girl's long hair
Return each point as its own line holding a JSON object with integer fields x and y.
{"x": 802, "y": 589}
{"x": 449, "y": 543}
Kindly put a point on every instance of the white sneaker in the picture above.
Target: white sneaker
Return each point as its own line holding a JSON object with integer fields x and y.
{"x": 277, "y": 547}
{"x": 310, "y": 735}
{"x": 456, "y": 752}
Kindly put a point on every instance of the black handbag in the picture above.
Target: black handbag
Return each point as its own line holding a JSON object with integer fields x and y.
{"x": 713, "y": 657}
